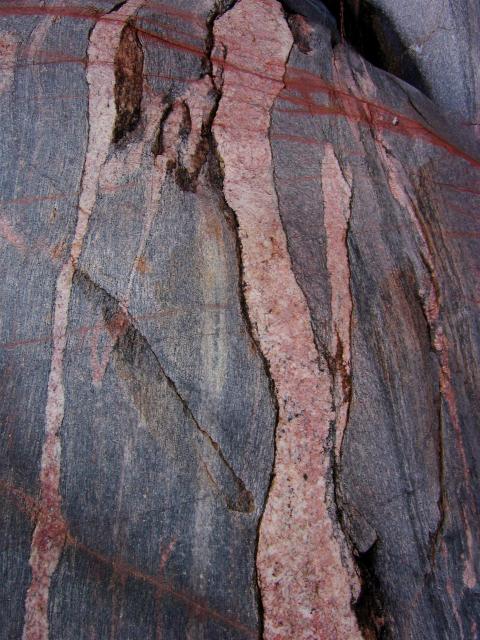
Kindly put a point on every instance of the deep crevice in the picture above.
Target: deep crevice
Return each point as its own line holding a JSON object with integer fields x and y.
{"x": 128, "y": 90}
{"x": 158, "y": 146}
{"x": 369, "y": 608}
{"x": 117, "y": 7}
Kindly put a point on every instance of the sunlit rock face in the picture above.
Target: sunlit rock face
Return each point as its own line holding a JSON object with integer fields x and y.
{"x": 239, "y": 343}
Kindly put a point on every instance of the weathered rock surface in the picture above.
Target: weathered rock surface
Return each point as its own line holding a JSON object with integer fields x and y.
{"x": 240, "y": 338}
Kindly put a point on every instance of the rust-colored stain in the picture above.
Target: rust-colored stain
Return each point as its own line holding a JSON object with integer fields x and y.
{"x": 143, "y": 266}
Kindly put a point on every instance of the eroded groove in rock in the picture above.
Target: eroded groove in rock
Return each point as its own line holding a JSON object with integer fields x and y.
{"x": 147, "y": 382}
{"x": 49, "y": 534}
{"x": 300, "y": 586}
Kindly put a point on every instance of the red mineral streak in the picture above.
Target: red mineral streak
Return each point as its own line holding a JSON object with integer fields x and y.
{"x": 457, "y": 187}
{"x": 462, "y": 234}
{"x": 290, "y": 137}
{"x": 298, "y": 81}
{"x": 27, "y": 200}
{"x": 9, "y": 62}
{"x": 61, "y": 10}
{"x": 306, "y": 591}
{"x": 302, "y": 86}
{"x": 32, "y": 250}
{"x": 196, "y": 607}
{"x": 471, "y": 213}
{"x": 164, "y": 26}
{"x": 24, "y": 502}
{"x": 85, "y": 330}
{"x": 169, "y": 10}
{"x": 50, "y": 530}
{"x": 57, "y": 11}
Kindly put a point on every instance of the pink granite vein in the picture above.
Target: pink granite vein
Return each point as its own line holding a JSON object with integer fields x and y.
{"x": 336, "y": 201}
{"x": 306, "y": 590}
{"x": 50, "y": 530}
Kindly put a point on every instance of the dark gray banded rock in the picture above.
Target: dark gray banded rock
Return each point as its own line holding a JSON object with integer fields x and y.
{"x": 161, "y": 457}
{"x": 143, "y": 375}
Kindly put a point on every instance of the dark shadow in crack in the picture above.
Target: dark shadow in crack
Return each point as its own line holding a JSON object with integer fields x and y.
{"x": 368, "y": 30}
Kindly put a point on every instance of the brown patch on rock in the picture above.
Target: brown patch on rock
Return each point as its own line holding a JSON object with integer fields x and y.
{"x": 142, "y": 265}
{"x": 301, "y": 31}
{"x": 128, "y": 83}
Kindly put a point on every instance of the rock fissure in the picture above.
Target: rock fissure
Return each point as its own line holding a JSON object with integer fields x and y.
{"x": 131, "y": 344}
{"x": 128, "y": 89}
{"x": 231, "y": 488}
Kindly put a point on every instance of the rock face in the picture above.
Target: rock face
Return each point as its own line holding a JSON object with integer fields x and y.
{"x": 240, "y": 338}
{"x": 433, "y": 45}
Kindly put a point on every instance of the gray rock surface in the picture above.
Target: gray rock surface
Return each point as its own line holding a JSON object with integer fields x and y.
{"x": 441, "y": 39}
{"x": 138, "y": 411}
{"x": 432, "y": 45}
